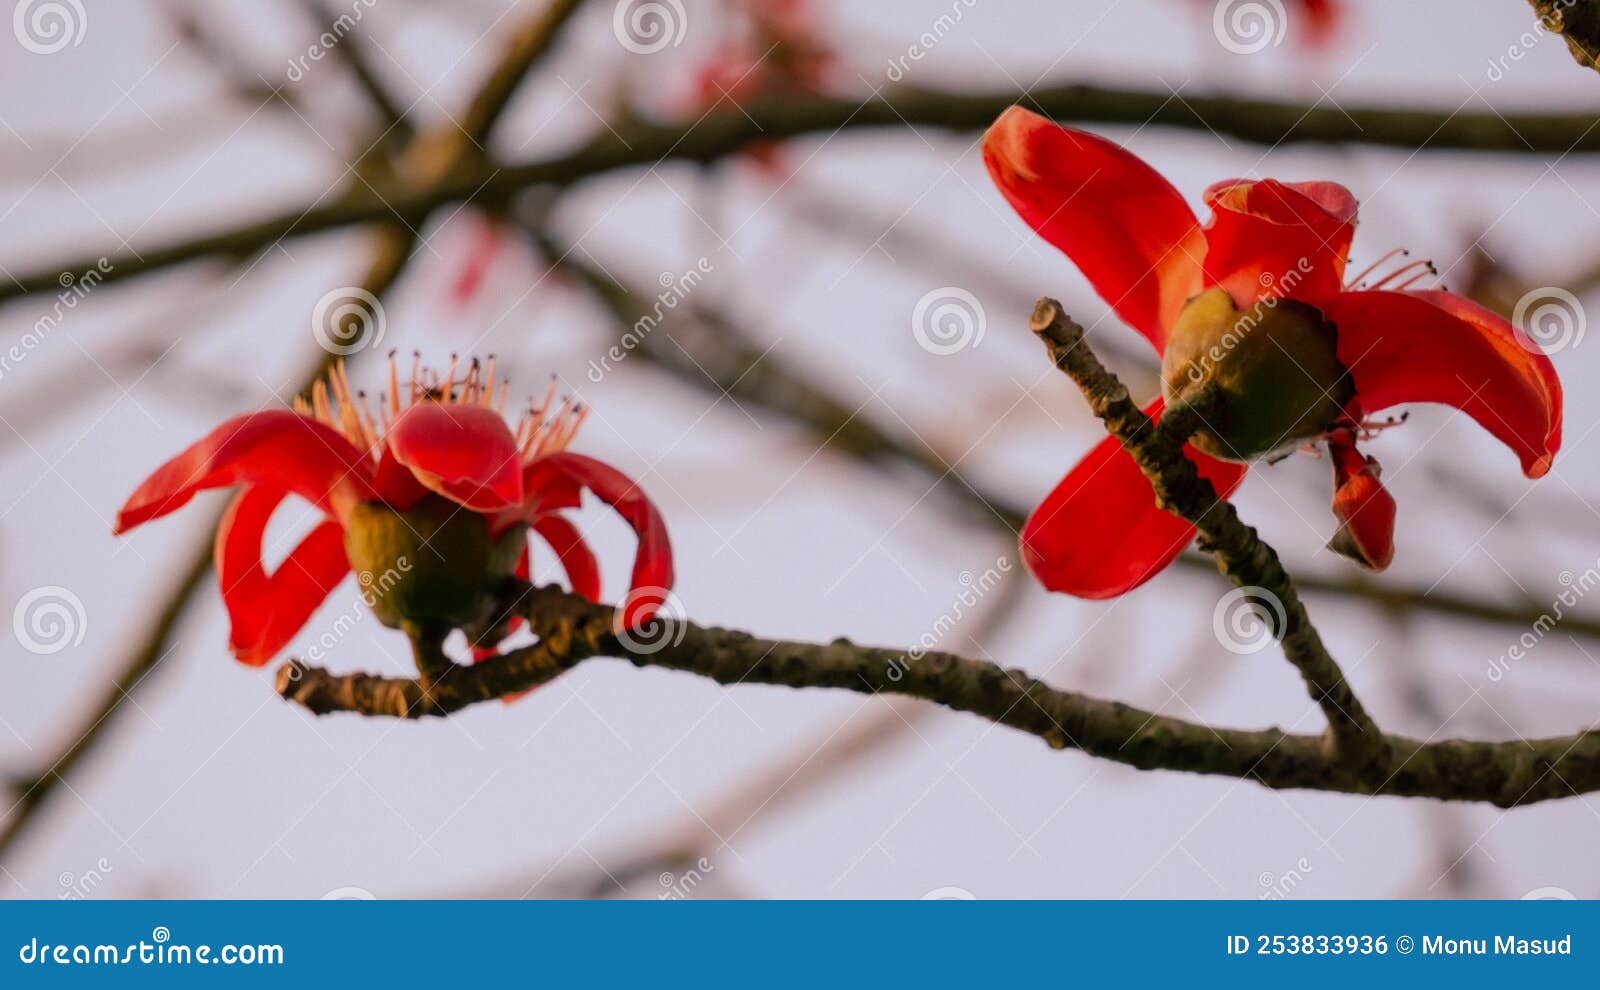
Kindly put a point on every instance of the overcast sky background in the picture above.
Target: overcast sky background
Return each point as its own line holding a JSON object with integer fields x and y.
{"x": 210, "y": 786}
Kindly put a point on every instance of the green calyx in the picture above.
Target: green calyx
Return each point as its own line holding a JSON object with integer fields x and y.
{"x": 431, "y": 565}
{"x": 1275, "y": 367}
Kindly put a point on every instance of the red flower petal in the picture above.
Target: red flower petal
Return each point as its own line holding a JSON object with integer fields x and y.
{"x": 486, "y": 240}
{"x": 1271, "y": 239}
{"x": 1099, "y": 533}
{"x": 1431, "y": 346}
{"x": 1125, "y": 227}
{"x": 1365, "y": 508}
{"x": 277, "y": 448}
{"x": 465, "y": 453}
{"x": 395, "y": 484}
{"x": 555, "y": 481}
{"x": 1320, "y": 22}
{"x": 583, "y": 571}
{"x": 265, "y": 611}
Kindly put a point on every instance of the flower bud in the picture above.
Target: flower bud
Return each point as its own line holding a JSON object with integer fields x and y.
{"x": 1275, "y": 365}
{"x": 431, "y": 564}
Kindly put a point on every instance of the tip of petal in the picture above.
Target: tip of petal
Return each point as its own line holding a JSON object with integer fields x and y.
{"x": 1539, "y": 466}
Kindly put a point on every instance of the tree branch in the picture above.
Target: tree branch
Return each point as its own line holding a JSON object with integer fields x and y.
{"x": 1240, "y": 554}
{"x": 1578, "y": 21}
{"x": 573, "y": 630}
{"x": 638, "y": 143}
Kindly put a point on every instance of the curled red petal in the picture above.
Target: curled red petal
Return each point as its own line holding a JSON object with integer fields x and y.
{"x": 1270, "y": 239}
{"x": 277, "y": 448}
{"x": 1125, "y": 227}
{"x": 1432, "y": 346}
{"x": 1364, "y": 508}
{"x": 555, "y": 481}
{"x": 395, "y": 483}
{"x": 465, "y": 453}
{"x": 583, "y": 571}
{"x": 1100, "y": 534}
{"x": 265, "y": 611}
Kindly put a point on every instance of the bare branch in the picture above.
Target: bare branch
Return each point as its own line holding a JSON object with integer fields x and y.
{"x": 726, "y": 132}
{"x": 1506, "y": 774}
{"x": 1241, "y": 555}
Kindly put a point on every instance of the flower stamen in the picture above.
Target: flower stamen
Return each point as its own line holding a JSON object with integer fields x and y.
{"x": 545, "y": 427}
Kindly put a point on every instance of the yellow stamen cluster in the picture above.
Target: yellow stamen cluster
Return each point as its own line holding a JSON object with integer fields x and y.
{"x": 545, "y": 426}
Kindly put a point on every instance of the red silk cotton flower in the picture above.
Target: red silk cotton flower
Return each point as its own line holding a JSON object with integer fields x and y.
{"x": 429, "y": 501}
{"x": 1254, "y": 307}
